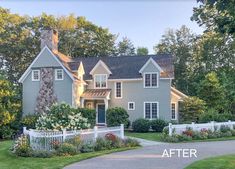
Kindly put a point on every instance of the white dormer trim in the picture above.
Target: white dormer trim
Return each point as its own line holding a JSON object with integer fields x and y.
{"x": 81, "y": 68}
{"x": 148, "y": 62}
{"x": 28, "y": 70}
{"x": 102, "y": 64}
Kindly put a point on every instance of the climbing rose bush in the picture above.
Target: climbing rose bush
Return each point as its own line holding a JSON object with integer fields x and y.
{"x": 61, "y": 116}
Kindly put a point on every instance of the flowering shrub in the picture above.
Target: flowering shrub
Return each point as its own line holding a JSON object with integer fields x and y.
{"x": 61, "y": 116}
{"x": 21, "y": 147}
{"x": 29, "y": 121}
{"x": 111, "y": 137}
{"x": 55, "y": 144}
{"x": 188, "y": 133}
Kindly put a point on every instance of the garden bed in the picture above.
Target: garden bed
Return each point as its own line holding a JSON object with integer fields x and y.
{"x": 9, "y": 160}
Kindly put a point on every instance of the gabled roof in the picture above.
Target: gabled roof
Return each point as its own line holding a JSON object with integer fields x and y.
{"x": 22, "y": 78}
{"x": 178, "y": 93}
{"x": 100, "y": 63}
{"x": 148, "y": 62}
{"x": 124, "y": 67}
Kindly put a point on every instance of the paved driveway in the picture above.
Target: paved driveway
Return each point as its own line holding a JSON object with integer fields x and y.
{"x": 150, "y": 157}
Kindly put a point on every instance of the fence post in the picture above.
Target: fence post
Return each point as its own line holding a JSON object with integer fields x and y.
{"x": 230, "y": 125}
{"x": 122, "y": 131}
{"x": 64, "y": 134}
{"x": 24, "y": 130}
{"x": 212, "y": 126}
{"x": 95, "y": 132}
{"x": 193, "y": 126}
{"x": 170, "y": 129}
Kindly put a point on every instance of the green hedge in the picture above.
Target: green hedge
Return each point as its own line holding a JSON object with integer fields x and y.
{"x": 90, "y": 114}
{"x": 116, "y": 116}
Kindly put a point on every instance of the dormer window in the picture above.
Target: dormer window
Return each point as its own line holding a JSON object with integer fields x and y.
{"x": 59, "y": 74}
{"x": 35, "y": 75}
{"x": 100, "y": 81}
{"x": 151, "y": 80}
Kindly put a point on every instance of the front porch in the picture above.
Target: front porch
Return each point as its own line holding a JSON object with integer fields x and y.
{"x": 97, "y": 99}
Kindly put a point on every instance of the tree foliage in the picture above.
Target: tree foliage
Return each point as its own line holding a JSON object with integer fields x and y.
{"x": 142, "y": 51}
{"x": 20, "y": 40}
{"x": 191, "y": 109}
{"x": 180, "y": 44}
{"x": 211, "y": 91}
{"x": 125, "y": 47}
{"x": 216, "y": 15}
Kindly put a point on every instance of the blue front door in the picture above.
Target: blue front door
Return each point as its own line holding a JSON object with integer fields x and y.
{"x": 101, "y": 113}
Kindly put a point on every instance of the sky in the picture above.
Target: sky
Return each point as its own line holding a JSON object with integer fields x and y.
{"x": 144, "y": 22}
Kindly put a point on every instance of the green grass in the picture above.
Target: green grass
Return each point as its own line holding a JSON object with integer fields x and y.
{"x": 10, "y": 161}
{"x": 153, "y": 136}
{"x": 222, "y": 162}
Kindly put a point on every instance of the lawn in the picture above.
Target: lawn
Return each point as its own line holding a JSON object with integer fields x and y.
{"x": 10, "y": 161}
{"x": 222, "y": 162}
{"x": 153, "y": 136}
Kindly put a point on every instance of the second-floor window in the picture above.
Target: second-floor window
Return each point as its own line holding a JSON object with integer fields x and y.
{"x": 59, "y": 74}
{"x": 151, "y": 80}
{"x": 35, "y": 75}
{"x": 101, "y": 81}
{"x": 118, "y": 90}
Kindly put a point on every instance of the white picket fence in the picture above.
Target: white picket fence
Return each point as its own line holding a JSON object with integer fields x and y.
{"x": 42, "y": 140}
{"x": 179, "y": 128}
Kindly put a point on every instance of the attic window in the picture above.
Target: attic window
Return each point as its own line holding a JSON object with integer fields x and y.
{"x": 36, "y": 75}
{"x": 59, "y": 74}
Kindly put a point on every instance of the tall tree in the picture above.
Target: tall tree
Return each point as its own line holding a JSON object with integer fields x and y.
{"x": 142, "y": 51}
{"x": 125, "y": 47}
{"x": 20, "y": 39}
{"x": 180, "y": 44}
{"x": 217, "y": 15}
{"x": 212, "y": 92}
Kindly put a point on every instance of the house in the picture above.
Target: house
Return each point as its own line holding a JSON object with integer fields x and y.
{"x": 140, "y": 84}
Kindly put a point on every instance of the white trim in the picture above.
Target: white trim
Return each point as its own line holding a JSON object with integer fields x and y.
{"x": 151, "y": 109}
{"x": 177, "y": 96}
{"x": 175, "y": 111}
{"x": 39, "y": 76}
{"x": 100, "y": 62}
{"x": 149, "y": 87}
{"x": 97, "y": 113}
{"x": 106, "y": 76}
{"x": 135, "y": 79}
{"x": 115, "y": 92}
{"x": 129, "y": 104}
{"x": 73, "y": 95}
{"x": 154, "y": 63}
{"x": 56, "y": 73}
{"x": 22, "y": 78}
{"x": 177, "y": 91}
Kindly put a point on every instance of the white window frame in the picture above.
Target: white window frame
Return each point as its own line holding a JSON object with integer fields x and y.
{"x": 151, "y": 109}
{"x": 116, "y": 90}
{"x": 129, "y": 105}
{"x": 151, "y": 80}
{"x": 56, "y": 73}
{"x": 106, "y": 77}
{"x": 38, "y": 75}
{"x": 175, "y": 111}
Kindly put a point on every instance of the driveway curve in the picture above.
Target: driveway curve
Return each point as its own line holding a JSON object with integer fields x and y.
{"x": 150, "y": 157}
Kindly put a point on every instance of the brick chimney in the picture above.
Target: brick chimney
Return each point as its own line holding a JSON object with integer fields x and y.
{"x": 49, "y": 38}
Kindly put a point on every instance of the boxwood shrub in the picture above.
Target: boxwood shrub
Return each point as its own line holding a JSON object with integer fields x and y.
{"x": 158, "y": 125}
{"x": 141, "y": 125}
{"x": 116, "y": 116}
